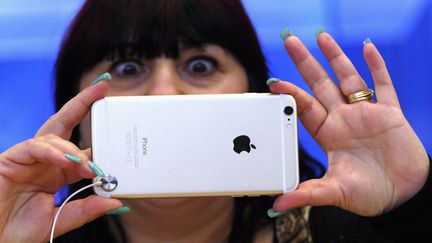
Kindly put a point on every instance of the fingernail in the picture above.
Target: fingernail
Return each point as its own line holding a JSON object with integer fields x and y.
{"x": 72, "y": 158}
{"x": 319, "y": 31}
{"x": 117, "y": 211}
{"x": 273, "y": 214}
{"x": 285, "y": 33}
{"x": 98, "y": 171}
{"x": 104, "y": 76}
{"x": 367, "y": 41}
{"x": 272, "y": 80}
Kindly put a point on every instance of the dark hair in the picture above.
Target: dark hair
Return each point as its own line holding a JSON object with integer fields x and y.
{"x": 152, "y": 28}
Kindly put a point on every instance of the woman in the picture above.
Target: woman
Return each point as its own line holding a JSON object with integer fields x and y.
{"x": 376, "y": 162}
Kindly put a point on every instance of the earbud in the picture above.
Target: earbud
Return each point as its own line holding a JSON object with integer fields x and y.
{"x": 109, "y": 183}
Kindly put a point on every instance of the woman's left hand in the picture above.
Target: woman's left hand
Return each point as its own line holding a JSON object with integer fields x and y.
{"x": 375, "y": 160}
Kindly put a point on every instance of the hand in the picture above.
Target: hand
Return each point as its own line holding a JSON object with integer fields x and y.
{"x": 375, "y": 160}
{"x": 32, "y": 171}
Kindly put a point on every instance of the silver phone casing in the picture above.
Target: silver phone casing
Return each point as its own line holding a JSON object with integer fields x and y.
{"x": 182, "y": 145}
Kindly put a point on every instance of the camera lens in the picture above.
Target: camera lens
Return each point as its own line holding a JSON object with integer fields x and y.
{"x": 288, "y": 110}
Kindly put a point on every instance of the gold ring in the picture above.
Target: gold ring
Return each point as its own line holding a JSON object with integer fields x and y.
{"x": 366, "y": 94}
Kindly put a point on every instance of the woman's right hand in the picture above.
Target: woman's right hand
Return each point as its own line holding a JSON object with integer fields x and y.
{"x": 31, "y": 173}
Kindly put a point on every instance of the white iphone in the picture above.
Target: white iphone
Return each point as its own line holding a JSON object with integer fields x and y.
{"x": 195, "y": 145}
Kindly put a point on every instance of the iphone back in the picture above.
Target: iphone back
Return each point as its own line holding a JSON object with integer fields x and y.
{"x": 196, "y": 145}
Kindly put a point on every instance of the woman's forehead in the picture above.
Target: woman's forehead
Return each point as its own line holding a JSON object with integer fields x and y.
{"x": 133, "y": 50}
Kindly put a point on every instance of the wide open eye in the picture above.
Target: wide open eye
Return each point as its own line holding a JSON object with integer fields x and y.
{"x": 127, "y": 68}
{"x": 201, "y": 66}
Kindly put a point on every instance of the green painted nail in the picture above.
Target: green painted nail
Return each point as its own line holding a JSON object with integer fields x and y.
{"x": 104, "y": 76}
{"x": 121, "y": 210}
{"x": 273, "y": 214}
{"x": 319, "y": 31}
{"x": 98, "y": 171}
{"x": 72, "y": 158}
{"x": 367, "y": 41}
{"x": 272, "y": 80}
{"x": 285, "y": 33}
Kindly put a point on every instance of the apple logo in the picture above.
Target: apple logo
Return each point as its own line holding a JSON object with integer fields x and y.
{"x": 242, "y": 143}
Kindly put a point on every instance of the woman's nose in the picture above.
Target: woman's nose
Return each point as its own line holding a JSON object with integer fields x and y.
{"x": 165, "y": 79}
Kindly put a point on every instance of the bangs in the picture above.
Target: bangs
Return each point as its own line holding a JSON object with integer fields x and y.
{"x": 115, "y": 29}
{"x": 150, "y": 29}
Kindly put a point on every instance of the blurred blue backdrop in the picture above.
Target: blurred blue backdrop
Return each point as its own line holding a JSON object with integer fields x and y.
{"x": 30, "y": 34}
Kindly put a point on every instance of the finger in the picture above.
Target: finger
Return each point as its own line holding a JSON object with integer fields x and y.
{"x": 33, "y": 151}
{"x": 80, "y": 212}
{"x": 71, "y": 114}
{"x": 385, "y": 91}
{"x": 26, "y": 159}
{"x": 32, "y": 161}
{"x": 71, "y": 152}
{"x": 315, "y": 192}
{"x": 349, "y": 79}
{"x": 309, "y": 110}
{"x": 324, "y": 89}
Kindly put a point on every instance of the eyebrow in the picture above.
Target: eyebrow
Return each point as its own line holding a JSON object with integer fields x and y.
{"x": 129, "y": 49}
{"x": 185, "y": 47}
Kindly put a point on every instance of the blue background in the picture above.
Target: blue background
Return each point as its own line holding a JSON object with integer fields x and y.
{"x": 30, "y": 34}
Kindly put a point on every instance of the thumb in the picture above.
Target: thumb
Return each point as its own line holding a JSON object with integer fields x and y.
{"x": 315, "y": 192}
{"x": 79, "y": 212}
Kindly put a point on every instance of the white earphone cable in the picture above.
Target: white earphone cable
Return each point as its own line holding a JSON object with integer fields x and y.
{"x": 64, "y": 203}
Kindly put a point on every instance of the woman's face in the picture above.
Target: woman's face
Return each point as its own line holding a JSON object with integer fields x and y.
{"x": 206, "y": 70}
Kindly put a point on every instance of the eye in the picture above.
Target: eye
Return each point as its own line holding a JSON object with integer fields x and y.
{"x": 127, "y": 68}
{"x": 201, "y": 66}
